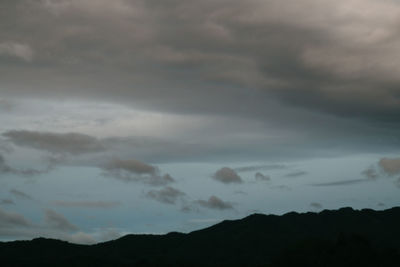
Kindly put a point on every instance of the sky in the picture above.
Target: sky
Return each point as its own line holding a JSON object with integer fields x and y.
{"x": 148, "y": 116}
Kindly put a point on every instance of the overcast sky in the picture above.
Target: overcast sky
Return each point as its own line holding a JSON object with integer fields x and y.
{"x": 151, "y": 116}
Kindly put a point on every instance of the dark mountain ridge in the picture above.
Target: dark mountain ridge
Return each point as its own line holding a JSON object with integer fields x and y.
{"x": 343, "y": 237}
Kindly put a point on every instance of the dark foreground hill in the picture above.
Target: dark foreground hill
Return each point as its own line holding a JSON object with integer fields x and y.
{"x": 345, "y": 237}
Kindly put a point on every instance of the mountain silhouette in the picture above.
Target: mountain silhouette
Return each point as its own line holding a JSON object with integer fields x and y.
{"x": 343, "y": 237}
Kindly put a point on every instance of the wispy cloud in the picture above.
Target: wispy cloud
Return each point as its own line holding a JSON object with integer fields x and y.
{"x": 58, "y": 221}
{"x": 6, "y": 202}
{"x": 7, "y": 169}
{"x": 342, "y": 182}
{"x": 296, "y": 174}
{"x": 370, "y": 173}
{"x": 58, "y": 143}
{"x": 12, "y": 220}
{"x": 261, "y": 167}
{"x": 20, "y": 194}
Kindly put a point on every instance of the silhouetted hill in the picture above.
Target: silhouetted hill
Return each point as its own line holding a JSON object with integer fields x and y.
{"x": 344, "y": 237}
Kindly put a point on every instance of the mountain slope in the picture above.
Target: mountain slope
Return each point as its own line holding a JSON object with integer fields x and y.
{"x": 345, "y": 237}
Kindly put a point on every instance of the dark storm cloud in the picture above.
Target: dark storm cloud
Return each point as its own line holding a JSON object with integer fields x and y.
{"x": 167, "y": 195}
{"x": 296, "y": 174}
{"x": 59, "y": 143}
{"x": 215, "y": 203}
{"x": 262, "y": 177}
{"x": 58, "y": 221}
{"x": 88, "y": 204}
{"x": 227, "y": 176}
{"x": 311, "y": 70}
{"x": 325, "y": 56}
{"x": 344, "y": 182}
{"x": 390, "y": 166}
{"x": 20, "y": 194}
{"x": 132, "y": 170}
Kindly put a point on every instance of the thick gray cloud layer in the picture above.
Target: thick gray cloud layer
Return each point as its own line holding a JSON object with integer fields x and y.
{"x": 227, "y": 176}
{"x": 288, "y": 80}
{"x": 333, "y": 56}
